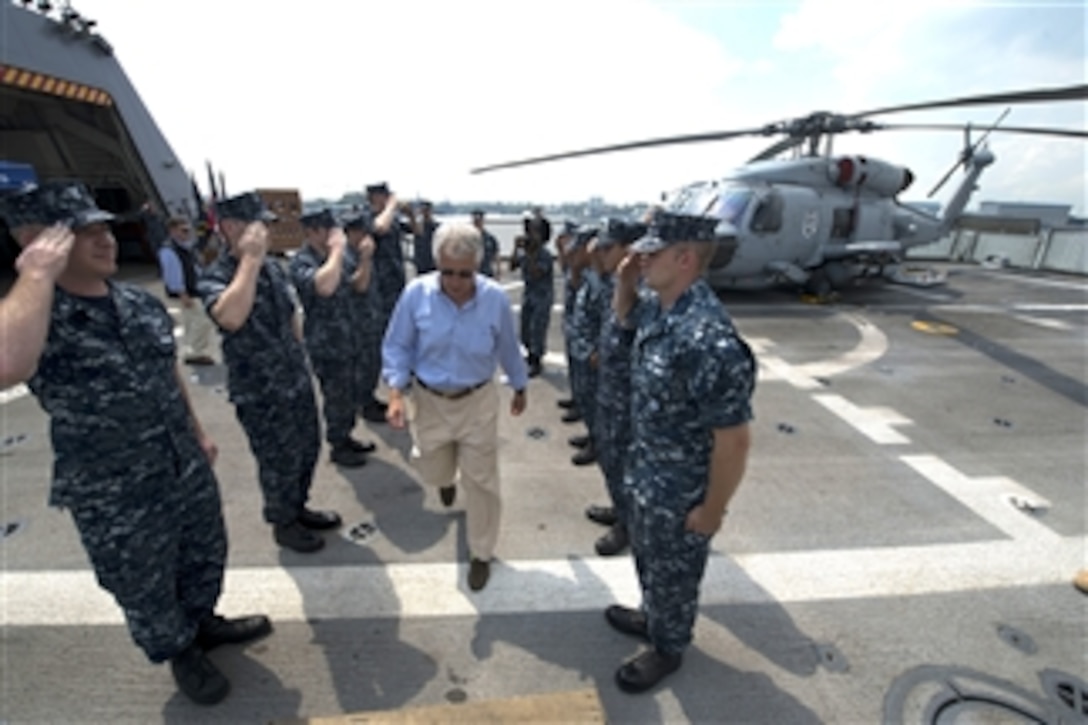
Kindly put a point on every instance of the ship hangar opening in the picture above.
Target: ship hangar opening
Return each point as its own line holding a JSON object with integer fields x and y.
{"x": 66, "y": 130}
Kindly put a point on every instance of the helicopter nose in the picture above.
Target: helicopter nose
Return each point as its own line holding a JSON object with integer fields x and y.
{"x": 725, "y": 235}
{"x": 726, "y": 248}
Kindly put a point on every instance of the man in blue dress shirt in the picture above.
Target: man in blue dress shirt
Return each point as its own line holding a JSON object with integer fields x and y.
{"x": 448, "y": 333}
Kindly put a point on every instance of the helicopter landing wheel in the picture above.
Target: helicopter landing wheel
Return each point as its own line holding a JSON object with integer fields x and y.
{"x": 819, "y": 286}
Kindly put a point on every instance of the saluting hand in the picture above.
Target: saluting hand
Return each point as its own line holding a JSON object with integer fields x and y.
{"x": 337, "y": 240}
{"x": 366, "y": 247}
{"x": 48, "y": 254}
{"x": 254, "y": 241}
{"x": 627, "y": 272}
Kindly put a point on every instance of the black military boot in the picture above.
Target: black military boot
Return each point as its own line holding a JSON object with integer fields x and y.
{"x": 343, "y": 454}
{"x": 603, "y": 515}
{"x": 573, "y": 415}
{"x": 565, "y": 403}
{"x": 215, "y": 630}
{"x": 197, "y": 677}
{"x": 534, "y": 366}
{"x": 368, "y": 447}
{"x": 318, "y": 520}
{"x": 297, "y": 537}
{"x": 641, "y": 673}
{"x": 579, "y": 441}
{"x": 613, "y": 542}
{"x": 585, "y": 456}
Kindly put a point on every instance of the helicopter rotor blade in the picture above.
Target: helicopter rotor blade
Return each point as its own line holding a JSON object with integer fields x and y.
{"x": 778, "y": 147}
{"x": 648, "y": 143}
{"x": 1062, "y": 93}
{"x": 1063, "y": 132}
{"x": 969, "y": 148}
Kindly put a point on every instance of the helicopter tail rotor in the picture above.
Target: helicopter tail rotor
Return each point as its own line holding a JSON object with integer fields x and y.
{"x": 969, "y": 150}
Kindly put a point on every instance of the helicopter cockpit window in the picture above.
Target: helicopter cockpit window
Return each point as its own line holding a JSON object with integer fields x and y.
{"x": 695, "y": 200}
{"x": 732, "y": 205}
{"x": 767, "y": 217}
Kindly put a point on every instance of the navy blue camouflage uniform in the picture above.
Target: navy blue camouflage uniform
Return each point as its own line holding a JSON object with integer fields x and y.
{"x": 538, "y": 273}
{"x": 423, "y": 246}
{"x": 569, "y": 293}
{"x": 368, "y": 320}
{"x": 691, "y": 374}
{"x": 388, "y": 274}
{"x": 613, "y": 417}
{"x": 128, "y": 464}
{"x": 585, "y": 328}
{"x": 269, "y": 383}
{"x": 491, "y": 253}
{"x": 335, "y": 348}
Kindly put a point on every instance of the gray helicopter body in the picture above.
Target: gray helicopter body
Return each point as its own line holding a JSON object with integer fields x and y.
{"x": 820, "y": 220}
{"x": 815, "y": 221}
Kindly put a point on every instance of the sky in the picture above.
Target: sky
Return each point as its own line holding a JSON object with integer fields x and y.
{"x": 330, "y": 95}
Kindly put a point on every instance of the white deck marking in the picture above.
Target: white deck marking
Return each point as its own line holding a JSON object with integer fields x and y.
{"x": 875, "y": 423}
{"x": 986, "y": 497}
{"x": 871, "y": 347}
{"x": 1061, "y": 284}
{"x": 1045, "y": 322}
{"x": 55, "y": 598}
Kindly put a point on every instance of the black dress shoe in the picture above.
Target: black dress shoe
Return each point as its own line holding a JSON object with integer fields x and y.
{"x": 297, "y": 537}
{"x": 197, "y": 677}
{"x": 565, "y": 403}
{"x": 603, "y": 515}
{"x": 614, "y": 542}
{"x": 579, "y": 441}
{"x": 642, "y": 672}
{"x": 447, "y": 494}
{"x": 572, "y": 416}
{"x": 215, "y": 630}
{"x": 368, "y": 447}
{"x": 478, "y": 573}
{"x": 319, "y": 520}
{"x": 585, "y": 456}
{"x": 629, "y": 621}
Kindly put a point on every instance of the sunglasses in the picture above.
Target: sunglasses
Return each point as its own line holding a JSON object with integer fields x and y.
{"x": 462, "y": 273}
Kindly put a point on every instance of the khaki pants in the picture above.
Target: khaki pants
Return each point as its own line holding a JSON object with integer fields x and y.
{"x": 198, "y": 327}
{"x": 461, "y": 436}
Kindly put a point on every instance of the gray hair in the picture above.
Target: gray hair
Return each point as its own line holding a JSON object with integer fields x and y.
{"x": 459, "y": 240}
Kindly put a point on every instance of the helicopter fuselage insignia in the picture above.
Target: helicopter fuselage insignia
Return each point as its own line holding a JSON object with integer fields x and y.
{"x": 811, "y": 224}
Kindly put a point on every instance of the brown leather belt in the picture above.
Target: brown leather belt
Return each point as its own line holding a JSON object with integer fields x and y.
{"x": 452, "y": 394}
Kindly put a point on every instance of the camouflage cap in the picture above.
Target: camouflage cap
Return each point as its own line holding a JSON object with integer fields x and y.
{"x": 667, "y": 229}
{"x": 50, "y": 202}
{"x": 619, "y": 231}
{"x": 380, "y": 188}
{"x": 570, "y": 227}
{"x": 582, "y": 236}
{"x": 322, "y": 219}
{"x": 358, "y": 222}
{"x": 247, "y": 207}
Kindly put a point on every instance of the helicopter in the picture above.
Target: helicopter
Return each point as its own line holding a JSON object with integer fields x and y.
{"x": 817, "y": 220}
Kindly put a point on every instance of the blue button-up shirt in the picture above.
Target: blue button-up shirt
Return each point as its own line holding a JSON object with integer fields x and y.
{"x": 450, "y": 347}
